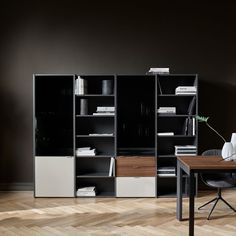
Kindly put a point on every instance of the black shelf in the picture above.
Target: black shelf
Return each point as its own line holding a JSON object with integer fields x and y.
{"x": 167, "y": 156}
{"x": 167, "y": 115}
{"x": 94, "y": 95}
{"x": 92, "y": 175}
{"x": 95, "y": 136}
{"x": 96, "y": 156}
{"x": 101, "y": 116}
{"x": 174, "y": 95}
{"x": 176, "y": 136}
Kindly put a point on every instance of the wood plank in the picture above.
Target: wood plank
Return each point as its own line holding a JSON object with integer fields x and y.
{"x": 133, "y": 166}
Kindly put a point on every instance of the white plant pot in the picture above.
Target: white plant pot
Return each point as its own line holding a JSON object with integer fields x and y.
{"x": 233, "y": 141}
{"x": 227, "y": 151}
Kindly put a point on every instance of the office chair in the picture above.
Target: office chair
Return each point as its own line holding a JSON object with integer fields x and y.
{"x": 218, "y": 180}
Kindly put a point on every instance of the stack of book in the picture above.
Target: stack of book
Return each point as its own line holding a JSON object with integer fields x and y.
{"x": 107, "y": 111}
{"x": 185, "y": 150}
{"x": 186, "y": 90}
{"x": 159, "y": 71}
{"x": 168, "y": 171}
{"x": 85, "y": 151}
{"x": 86, "y": 192}
{"x": 166, "y": 110}
{"x": 80, "y": 86}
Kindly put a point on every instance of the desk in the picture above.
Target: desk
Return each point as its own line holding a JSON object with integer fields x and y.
{"x": 192, "y": 165}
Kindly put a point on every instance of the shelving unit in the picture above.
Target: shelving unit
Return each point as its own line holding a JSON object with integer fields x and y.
{"x": 53, "y": 132}
{"x": 90, "y": 170}
{"x": 176, "y": 123}
{"x": 66, "y": 118}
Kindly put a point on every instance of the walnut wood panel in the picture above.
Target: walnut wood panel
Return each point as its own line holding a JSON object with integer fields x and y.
{"x": 207, "y": 163}
{"x": 127, "y": 166}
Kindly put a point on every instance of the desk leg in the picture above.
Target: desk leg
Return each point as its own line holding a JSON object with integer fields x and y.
{"x": 179, "y": 192}
{"x": 191, "y": 204}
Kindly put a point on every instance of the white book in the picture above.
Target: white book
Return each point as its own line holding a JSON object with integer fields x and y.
{"x": 85, "y": 154}
{"x": 111, "y": 166}
{"x": 185, "y": 93}
{"x": 166, "y": 134}
{"x": 159, "y": 70}
{"x": 111, "y": 134}
{"x": 86, "y": 189}
{"x": 166, "y": 168}
{"x": 76, "y": 86}
{"x": 165, "y": 112}
{"x": 105, "y": 109}
{"x": 194, "y": 126}
{"x": 82, "y": 153}
{"x": 165, "y": 108}
{"x": 86, "y": 194}
{"x": 83, "y": 148}
{"x": 182, "y": 154}
{"x": 166, "y": 175}
{"x": 103, "y": 113}
{"x": 186, "y": 88}
{"x": 185, "y": 146}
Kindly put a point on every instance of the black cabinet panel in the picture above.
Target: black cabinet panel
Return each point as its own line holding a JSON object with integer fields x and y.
{"x": 53, "y": 115}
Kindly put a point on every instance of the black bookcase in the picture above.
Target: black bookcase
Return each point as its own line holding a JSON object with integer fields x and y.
{"x": 186, "y": 109}
{"x": 94, "y": 170}
{"x": 53, "y": 135}
{"x": 66, "y": 119}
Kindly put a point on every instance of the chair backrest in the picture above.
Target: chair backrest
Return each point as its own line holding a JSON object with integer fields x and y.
{"x": 212, "y": 152}
{"x": 206, "y": 176}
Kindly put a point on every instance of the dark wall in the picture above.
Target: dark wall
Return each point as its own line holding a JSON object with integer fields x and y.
{"x": 111, "y": 37}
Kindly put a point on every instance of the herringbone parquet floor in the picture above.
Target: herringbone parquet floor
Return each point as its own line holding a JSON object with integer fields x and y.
{"x": 21, "y": 214}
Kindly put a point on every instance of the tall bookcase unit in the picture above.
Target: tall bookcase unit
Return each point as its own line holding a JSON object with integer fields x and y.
{"x": 53, "y": 135}
{"x": 96, "y": 131}
{"x": 135, "y": 162}
{"x": 70, "y": 122}
{"x": 182, "y": 124}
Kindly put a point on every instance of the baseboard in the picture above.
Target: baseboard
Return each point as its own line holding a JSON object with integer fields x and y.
{"x": 28, "y": 186}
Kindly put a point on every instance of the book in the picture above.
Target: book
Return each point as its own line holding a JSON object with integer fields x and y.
{"x": 111, "y": 166}
{"x": 165, "y": 134}
{"x": 166, "y": 110}
{"x": 103, "y": 114}
{"x": 111, "y": 134}
{"x": 159, "y": 70}
{"x": 105, "y": 109}
{"x": 87, "y": 189}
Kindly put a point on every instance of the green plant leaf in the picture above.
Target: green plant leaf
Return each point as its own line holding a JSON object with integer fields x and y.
{"x": 202, "y": 118}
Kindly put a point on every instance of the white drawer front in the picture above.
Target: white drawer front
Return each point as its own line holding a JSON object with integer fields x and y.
{"x": 135, "y": 187}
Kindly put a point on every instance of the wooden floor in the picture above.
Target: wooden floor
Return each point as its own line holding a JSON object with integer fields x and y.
{"x": 21, "y": 214}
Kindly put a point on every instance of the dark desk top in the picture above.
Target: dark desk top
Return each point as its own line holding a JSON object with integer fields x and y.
{"x": 206, "y": 163}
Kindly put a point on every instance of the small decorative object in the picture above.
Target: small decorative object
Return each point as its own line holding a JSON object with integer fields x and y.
{"x": 227, "y": 150}
{"x": 233, "y": 141}
{"x": 83, "y": 106}
{"x": 107, "y": 87}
